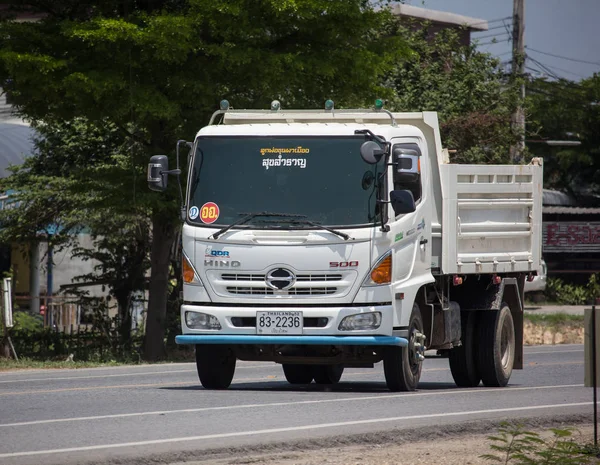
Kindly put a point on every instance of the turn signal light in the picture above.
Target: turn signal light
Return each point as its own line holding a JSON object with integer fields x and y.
{"x": 188, "y": 271}
{"x": 382, "y": 273}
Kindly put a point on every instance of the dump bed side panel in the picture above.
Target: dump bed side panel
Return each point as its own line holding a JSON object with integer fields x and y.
{"x": 491, "y": 220}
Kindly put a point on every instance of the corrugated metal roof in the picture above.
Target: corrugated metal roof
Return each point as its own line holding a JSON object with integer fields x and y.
{"x": 15, "y": 138}
{"x": 557, "y": 198}
{"x": 571, "y": 210}
{"x": 15, "y": 145}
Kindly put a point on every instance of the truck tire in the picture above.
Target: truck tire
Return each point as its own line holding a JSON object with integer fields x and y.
{"x": 496, "y": 346}
{"x": 298, "y": 374}
{"x": 463, "y": 363}
{"x": 328, "y": 374}
{"x": 216, "y": 365}
{"x": 402, "y": 365}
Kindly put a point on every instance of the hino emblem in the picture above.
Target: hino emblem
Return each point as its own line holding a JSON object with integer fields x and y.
{"x": 222, "y": 263}
{"x": 280, "y": 279}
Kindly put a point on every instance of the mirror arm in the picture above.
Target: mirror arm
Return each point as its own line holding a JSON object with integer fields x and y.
{"x": 385, "y": 201}
{"x": 177, "y": 172}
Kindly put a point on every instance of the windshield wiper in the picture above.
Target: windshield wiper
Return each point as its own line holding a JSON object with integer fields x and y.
{"x": 320, "y": 226}
{"x": 248, "y": 217}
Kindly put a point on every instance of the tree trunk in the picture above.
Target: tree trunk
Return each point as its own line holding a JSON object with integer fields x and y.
{"x": 163, "y": 233}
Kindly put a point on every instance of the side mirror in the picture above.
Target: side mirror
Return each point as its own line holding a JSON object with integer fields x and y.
{"x": 371, "y": 152}
{"x": 402, "y": 202}
{"x": 158, "y": 173}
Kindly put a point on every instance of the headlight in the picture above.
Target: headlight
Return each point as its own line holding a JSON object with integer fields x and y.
{"x": 197, "y": 320}
{"x": 371, "y": 320}
{"x": 381, "y": 273}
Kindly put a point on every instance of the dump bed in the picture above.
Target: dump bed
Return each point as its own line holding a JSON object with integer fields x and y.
{"x": 491, "y": 218}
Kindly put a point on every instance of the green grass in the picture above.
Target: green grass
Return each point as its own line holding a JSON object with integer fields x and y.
{"x": 29, "y": 364}
{"x": 554, "y": 319}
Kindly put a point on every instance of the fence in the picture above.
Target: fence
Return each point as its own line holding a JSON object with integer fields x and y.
{"x": 80, "y": 342}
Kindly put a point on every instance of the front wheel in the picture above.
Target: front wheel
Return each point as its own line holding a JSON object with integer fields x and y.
{"x": 328, "y": 374}
{"x": 216, "y": 365}
{"x": 298, "y": 374}
{"x": 402, "y": 365}
{"x": 496, "y": 346}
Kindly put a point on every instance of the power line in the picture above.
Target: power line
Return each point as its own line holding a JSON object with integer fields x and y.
{"x": 563, "y": 57}
{"x": 545, "y": 68}
{"x": 502, "y": 26}
{"x": 491, "y": 21}
{"x": 493, "y": 42}
{"x": 493, "y": 35}
{"x": 557, "y": 68}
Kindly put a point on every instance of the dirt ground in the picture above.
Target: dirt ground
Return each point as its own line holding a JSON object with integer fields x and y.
{"x": 465, "y": 449}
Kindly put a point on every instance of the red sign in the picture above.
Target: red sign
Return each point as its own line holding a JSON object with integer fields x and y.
{"x": 209, "y": 212}
{"x": 571, "y": 237}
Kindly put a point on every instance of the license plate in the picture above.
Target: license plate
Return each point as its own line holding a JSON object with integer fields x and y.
{"x": 279, "y": 322}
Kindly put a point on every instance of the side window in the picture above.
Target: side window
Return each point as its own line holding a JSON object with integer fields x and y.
{"x": 407, "y": 169}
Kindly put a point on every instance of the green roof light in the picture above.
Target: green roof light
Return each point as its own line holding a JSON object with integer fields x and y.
{"x": 224, "y": 105}
{"x": 329, "y": 105}
{"x": 275, "y": 105}
{"x": 378, "y": 104}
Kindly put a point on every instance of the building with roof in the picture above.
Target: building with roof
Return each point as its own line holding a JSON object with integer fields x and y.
{"x": 434, "y": 21}
{"x": 570, "y": 236}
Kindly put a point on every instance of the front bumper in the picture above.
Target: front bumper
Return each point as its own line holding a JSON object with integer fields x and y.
{"x": 293, "y": 340}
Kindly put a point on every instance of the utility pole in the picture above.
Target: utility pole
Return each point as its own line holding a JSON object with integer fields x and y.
{"x": 518, "y": 72}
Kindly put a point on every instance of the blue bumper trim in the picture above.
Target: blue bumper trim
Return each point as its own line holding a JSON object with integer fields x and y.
{"x": 300, "y": 340}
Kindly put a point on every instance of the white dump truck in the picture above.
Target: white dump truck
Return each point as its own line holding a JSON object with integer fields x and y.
{"x": 328, "y": 239}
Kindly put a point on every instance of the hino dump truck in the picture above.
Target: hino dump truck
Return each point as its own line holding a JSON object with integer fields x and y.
{"x": 328, "y": 239}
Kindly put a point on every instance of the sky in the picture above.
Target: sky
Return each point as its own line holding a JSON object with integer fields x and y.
{"x": 570, "y": 29}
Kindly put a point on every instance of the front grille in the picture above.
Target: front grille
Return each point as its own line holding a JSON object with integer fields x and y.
{"x": 250, "y": 322}
{"x": 261, "y": 277}
{"x": 293, "y": 291}
{"x": 242, "y": 277}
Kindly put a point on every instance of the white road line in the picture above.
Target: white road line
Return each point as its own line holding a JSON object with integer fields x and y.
{"x": 286, "y": 404}
{"x": 285, "y": 430}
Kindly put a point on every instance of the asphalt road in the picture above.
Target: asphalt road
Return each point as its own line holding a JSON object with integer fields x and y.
{"x": 134, "y": 413}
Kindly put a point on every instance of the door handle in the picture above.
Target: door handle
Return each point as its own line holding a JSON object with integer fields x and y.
{"x": 423, "y": 241}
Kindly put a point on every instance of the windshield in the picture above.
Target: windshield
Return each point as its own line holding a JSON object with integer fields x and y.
{"x": 324, "y": 179}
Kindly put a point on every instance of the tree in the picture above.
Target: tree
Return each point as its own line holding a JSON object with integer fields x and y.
{"x": 467, "y": 88}
{"x": 78, "y": 178}
{"x": 563, "y": 110}
{"x": 156, "y": 69}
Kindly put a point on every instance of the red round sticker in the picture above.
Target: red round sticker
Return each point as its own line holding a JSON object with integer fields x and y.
{"x": 209, "y": 212}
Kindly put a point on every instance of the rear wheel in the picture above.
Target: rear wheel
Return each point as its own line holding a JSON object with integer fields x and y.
{"x": 298, "y": 374}
{"x": 216, "y": 365}
{"x": 328, "y": 374}
{"x": 463, "y": 364}
{"x": 496, "y": 346}
{"x": 402, "y": 365}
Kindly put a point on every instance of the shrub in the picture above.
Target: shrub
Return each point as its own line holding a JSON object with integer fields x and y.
{"x": 516, "y": 446}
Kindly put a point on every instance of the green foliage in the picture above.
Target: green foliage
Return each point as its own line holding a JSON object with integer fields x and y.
{"x": 27, "y": 322}
{"x": 467, "y": 89}
{"x": 565, "y": 293}
{"x": 517, "y": 446}
{"x": 149, "y": 73}
{"x": 566, "y": 110}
